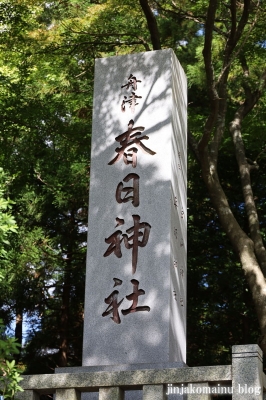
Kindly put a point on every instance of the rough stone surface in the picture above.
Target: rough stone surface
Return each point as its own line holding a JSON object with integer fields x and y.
{"x": 89, "y": 381}
{"x": 121, "y": 367}
{"x": 114, "y": 393}
{"x": 128, "y": 394}
{"x": 244, "y": 371}
{"x": 27, "y": 395}
{"x": 247, "y": 350}
{"x": 67, "y": 394}
{"x": 247, "y": 374}
{"x": 202, "y": 394}
{"x": 158, "y": 335}
{"x": 154, "y": 392}
{"x": 81, "y": 381}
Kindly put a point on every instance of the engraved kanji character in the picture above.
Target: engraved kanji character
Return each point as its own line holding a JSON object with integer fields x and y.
{"x": 113, "y": 306}
{"x": 134, "y": 190}
{"x": 132, "y": 101}
{"x": 134, "y": 239}
{"x": 115, "y": 241}
{"x": 128, "y": 139}
{"x": 134, "y": 297}
{"x": 132, "y": 82}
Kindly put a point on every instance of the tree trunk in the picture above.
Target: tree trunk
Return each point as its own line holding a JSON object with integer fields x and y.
{"x": 65, "y": 308}
{"x": 18, "y": 331}
{"x": 152, "y": 24}
{"x": 63, "y": 341}
{"x": 242, "y": 244}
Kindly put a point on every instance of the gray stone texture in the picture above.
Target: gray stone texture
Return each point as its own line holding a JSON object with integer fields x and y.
{"x": 247, "y": 373}
{"x": 114, "y": 393}
{"x": 203, "y": 393}
{"x": 121, "y": 367}
{"x": 67, "y": 394}
{"x": 83, "y": 381}
{"x": 128, "y": 394}
{"x": 89, "y": 381}
{"x": 246, "y": 370}
{"x": 158, "y": 335}
{"x": 27, "y": 395}
{"x": 154, "y": 392}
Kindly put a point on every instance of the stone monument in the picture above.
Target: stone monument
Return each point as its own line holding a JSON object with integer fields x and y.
{"x": 135, "y": 303}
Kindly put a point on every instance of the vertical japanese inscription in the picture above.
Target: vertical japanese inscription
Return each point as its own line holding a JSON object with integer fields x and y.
{"x": 137, "y": 235}
{"x": 132, "y": 101}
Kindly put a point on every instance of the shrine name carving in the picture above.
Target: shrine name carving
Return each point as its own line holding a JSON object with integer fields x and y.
{"x": 136, "y": 235}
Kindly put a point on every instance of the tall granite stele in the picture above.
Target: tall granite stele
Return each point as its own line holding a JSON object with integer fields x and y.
{"x": 135, "y": 305}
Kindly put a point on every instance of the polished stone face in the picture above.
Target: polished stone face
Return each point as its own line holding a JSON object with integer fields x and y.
{"x": 135, "y": 305}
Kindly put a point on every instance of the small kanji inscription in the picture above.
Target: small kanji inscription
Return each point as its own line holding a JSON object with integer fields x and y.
{"x": 131, "y": 82}
{"x": 133, "y": 98}
{"x": 132, "y": 101}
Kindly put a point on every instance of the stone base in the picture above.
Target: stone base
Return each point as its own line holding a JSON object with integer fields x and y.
{"x": 133, "y": 395}
{"x": 122, "y": 367}
{"x": 128, "y": 394}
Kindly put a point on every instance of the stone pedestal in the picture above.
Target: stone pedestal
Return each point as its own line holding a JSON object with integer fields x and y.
{"x": 135, "y": 304}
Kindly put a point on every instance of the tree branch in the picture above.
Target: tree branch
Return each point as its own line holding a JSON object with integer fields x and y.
{"x": 243, "y": 20}
{"x": 212, "y": 92}
{"x": 152, "y": 24}
{"x": 244, "y": 169}
{"x": 231, "y": 44}
{"x": 241, "y": 243}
